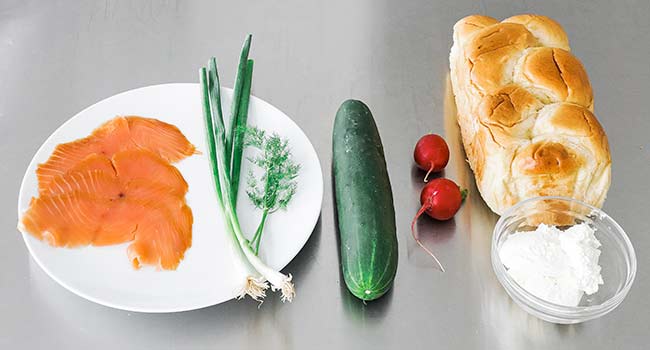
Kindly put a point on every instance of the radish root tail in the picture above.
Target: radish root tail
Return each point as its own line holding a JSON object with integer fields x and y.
{"x": 426, "y": 177}
{"x": 417, "y": 238}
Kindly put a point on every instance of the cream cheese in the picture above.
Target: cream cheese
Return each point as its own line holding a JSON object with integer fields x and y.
{"x": 554, "y": 265}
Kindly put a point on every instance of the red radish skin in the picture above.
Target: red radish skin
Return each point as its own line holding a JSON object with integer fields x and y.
{"x": 431, "y": 154}
{"x": 441, "y": 198}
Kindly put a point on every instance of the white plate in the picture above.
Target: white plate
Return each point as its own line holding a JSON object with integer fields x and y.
{"x": 205, "y": 277}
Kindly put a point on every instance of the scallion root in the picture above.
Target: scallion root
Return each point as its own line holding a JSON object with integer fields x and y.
{"x": 255, "y": 288}
{"x": 288, "y": 291}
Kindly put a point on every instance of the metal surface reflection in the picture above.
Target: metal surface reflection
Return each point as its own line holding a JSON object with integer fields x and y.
{"x": 311, "y": 56}
{"x": 496, "y": 307}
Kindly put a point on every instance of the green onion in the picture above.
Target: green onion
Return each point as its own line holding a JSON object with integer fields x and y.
{"x": 214, "y": 91}
{"x": 237, "y": 92}
{"x": 253, "y": 285}
{"x": 239, "y": 130}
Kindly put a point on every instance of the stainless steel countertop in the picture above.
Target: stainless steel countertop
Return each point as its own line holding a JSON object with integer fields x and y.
{"x": 57, "y": 57}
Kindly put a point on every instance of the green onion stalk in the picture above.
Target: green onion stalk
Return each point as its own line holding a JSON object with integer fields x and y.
{"x": 258, "y": 272}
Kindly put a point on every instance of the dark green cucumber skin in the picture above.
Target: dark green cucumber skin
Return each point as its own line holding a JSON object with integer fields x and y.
{"x": 364, "y": 202}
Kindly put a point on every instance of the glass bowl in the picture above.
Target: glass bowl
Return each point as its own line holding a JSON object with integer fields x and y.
{"x": 617, "y": 257}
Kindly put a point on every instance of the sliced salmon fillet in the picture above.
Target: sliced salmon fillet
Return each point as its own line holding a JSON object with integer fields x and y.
{"x": 143, "y": 164}
{"x": 124, "y": 167}
{"x": 162, "y": 138}
{"x": 79, "y": 219}
{"x": 96, "y": 182}
{"x": 148, "y": 211}
{"x": 66, "y": 220}
{"x": 118, "y": 134}
{"x": 117, "y": 186}
{"x": 64, "y": 157}
{"x": 96, "y": 208}
{"x": 162, "y": 242}
{"x": 94, "y": 162}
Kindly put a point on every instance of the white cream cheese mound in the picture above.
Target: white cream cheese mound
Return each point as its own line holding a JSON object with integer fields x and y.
{"x": 554, "y": 265}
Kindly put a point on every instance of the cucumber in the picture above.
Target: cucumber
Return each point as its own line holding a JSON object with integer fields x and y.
{"x": 364, "y": 202}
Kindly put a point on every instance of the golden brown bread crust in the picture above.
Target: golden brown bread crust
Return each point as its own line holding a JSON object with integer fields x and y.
{"x": 547, "y": 31}
{"x": 493, "y": 51}
{"x": 525, "y": 112}
{"x": 554, "y": 75}
{"x": 472, "y": 23}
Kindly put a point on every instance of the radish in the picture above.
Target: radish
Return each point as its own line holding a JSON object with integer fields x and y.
{"x": 441, "y": 198}
{"x": 431, "y": 154}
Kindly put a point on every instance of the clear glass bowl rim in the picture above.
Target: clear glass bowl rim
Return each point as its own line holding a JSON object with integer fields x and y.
{"x": 556, "y": 311}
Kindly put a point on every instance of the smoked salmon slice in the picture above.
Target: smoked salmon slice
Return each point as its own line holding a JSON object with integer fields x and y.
{"x": 93, "y": 162}
{"x": 154, "y": 243}
{"x": 143, "y": 164}
{"x": 162, "y": 138}
{"x": 159, "y": 222}
{"x": 116, "y": 186}
{"x": 130, "y": 165}
{"x": 118, "y": 134}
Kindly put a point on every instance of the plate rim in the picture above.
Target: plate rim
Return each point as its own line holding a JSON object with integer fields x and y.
{"x": 106, "y": 303}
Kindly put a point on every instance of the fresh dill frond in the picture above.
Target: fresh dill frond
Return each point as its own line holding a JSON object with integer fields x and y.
{"x": 277, "y": 184}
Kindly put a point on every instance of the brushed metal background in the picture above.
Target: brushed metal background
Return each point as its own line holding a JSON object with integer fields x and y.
{"x": 57, "y": 57}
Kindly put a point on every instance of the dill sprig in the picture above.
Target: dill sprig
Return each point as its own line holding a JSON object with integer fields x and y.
{"x": 275, "y": 188}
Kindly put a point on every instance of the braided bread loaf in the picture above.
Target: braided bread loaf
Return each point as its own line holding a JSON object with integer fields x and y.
{"x": 525, "y": 112}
